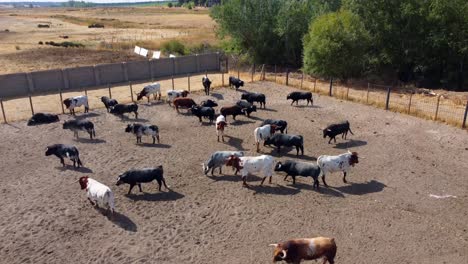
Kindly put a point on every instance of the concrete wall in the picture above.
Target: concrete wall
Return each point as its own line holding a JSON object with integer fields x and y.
{"x": 51, "y": 81}
{"x": 77, "y": 78}
{"x": 13, "y": 85}
{"x": 110, "y": 73}
{"x": 138, "y": 70}
{"x": 47, "y": 81}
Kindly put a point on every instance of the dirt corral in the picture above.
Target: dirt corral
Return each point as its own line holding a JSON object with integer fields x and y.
{"x": 383, "y": 215}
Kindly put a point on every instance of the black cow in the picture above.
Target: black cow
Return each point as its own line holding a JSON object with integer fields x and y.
{"x": 234, "y": 110}
{"x": 65, "y": 151}
{"x": 254, "y": 97}
{"x": 121, "y": 109}
{"x": 200, "y": 112}
{"x": 209, "y": 103}
{"x": 281, "y": 125}
{"x": 42, "y": 118}
{"x": 296, "y": 96}
{"x": 137, "y": 177}
{"x": 335, "y": 129}
{"x": 80, "y": 125}
{"x": 108, "y": 103}
{"x": 279, "y": 140}
{"x": 236, "y": 82}
{"x": 248, "y": 107}
{"x": 206, "y": 84}
{"x": 297, "y": 168}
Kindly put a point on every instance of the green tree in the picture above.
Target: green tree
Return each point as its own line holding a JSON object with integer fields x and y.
{"x": 336, "y": 46}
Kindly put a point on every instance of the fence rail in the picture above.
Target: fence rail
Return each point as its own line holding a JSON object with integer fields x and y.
{"x": 438, "y": 108}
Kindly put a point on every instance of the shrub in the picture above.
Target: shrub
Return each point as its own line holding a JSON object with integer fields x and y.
{"x": 174, "y": 47}
{"x": 170, "y": 5}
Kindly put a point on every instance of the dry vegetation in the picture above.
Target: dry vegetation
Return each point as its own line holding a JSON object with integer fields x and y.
{"x": 124, "y": 28}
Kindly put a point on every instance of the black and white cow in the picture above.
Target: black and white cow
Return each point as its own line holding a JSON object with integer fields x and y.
{"x": 139, "y": 130}
{"x": 108, "y": 103}
{"x": 80, "y": 125}
{"x": 65, "y": 151}
{"x": 206, "y": 84}
{"x": 281, "y": 125}
{"x": 76, "y": 101}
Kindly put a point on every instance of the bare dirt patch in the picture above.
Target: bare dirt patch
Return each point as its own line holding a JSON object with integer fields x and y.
{"x": 384, "y": 215}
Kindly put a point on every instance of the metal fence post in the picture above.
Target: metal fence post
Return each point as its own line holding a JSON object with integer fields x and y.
{"x": 131, "y": 90}
{"x": 109, "y": 88}
{"x": 331, "y": 87}
{"x": 222, "y": 79}
{"x": 409, "y": 104}
{"x": 31, "y": 104}
{"x": 367, "y": 96}
{"x": 464, "y": 117}
{"x": 388, "y": 98}
{"x": 437, "y": 107}
{"x": 287, "y": 77}
{"x": 4, "y": 115}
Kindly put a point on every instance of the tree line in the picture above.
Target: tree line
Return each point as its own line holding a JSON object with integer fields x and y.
{"x": 424, "y": 42}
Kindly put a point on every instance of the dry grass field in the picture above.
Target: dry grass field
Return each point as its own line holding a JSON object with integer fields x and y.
{"x": 124, "y": 27}
{"x": 385, "y": 214}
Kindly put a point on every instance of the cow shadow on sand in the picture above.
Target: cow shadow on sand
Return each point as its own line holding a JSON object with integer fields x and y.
{"x": 90, "y": 141}
{"x": 128, "y": 119}
{"x": 235, "y": 142}
{"x": 273, "y": 188}
{"x": 169, "y": 195}
{"x": 118, "y": 219}
{"x": 231, "y": 177}
{"x": 256, "y": 118}
{"x": 322, "y": 189}
{"x": 87, "y": 115}
{"x": 71, "y": 168}
{"x": 218, "y": 96}
{"x": 372, "y": 186}
{"x": 350, "y": 144}
{"x": 306, "y": 106}
{"x": 268, "y": 109}
{"x": 240, "y": 122}
{"x": 151, "y": 145}
{"x": 289, "y": 152}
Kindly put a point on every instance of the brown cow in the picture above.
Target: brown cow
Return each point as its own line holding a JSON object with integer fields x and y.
{"x": 183, "y": 102}
{"x": 296, "y": 250}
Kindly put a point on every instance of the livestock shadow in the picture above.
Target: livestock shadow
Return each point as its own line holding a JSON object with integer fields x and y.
{"x": 235, "y": 142}
{"x": 322, "y": 189}
{"x": 71, "y": 168}
{"x": 268, "y": 109}
{"x": 87, "y": 115}
{"x": 255, "y": 118}
{"x": 241, "y": 122}
{"x": 273, "y": 188}
{"x": 151, "y": 145}
{"x": 241, "y": 90}
{"x": 218, "y": 96}
{"x": 350, "y": 144}
{"x": 128, "y": 119}
{"x": 158, "y": 196}
{"x": 232, "y": 177}
{"x": 90, "y": 141}
{"x": 288, "y": 152}
{"x": 372, "y": 186}
{"x": 118, "y": 219}
{"x": 306, "y": 106}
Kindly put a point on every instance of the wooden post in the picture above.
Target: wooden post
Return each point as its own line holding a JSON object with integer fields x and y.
{"x": 464, "y": 117}
{"x": 302, "y": 79}
{"x": 188, "y": 81}
{"x": 275, "y": 73}
{"x": 262, "y": 74}
{"x": 409, "y": 104}
{"x": 437, "y": 107}
{"x": 61, "y": 101}
{"x": 253, "y": 73}
{"x": 388, "y": 98}
{"x": 367, "y": 97}
{"x": 347, "y": 93}
{"x": 238, "y": 71}
{"x": 315, "y": 84}
{"x": 287, "y": 77}
{"x": 172, "y": 82}
{"x": 86, "y": 91}
{"x": 109, "y": 88}
{"x": 31, "y": 104}
{"x": 131, "y": 90}
{"x": 330, "y": 93}
{"x": 222, "y": 79}
{"x": 4, "y": 116}
{"x": 227, "y": 66}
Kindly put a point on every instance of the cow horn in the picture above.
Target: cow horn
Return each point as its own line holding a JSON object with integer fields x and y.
{"x": 328, "y": 129}
{"x": 75, "y": 181}
{"x": 273, "y": 245}
{"x": 284, "y": 254}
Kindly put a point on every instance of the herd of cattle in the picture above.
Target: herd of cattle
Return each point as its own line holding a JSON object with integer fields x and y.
{"x": 292, "y": 251}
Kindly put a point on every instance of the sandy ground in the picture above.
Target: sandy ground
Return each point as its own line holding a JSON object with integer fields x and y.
{"x": 384, "y": 215}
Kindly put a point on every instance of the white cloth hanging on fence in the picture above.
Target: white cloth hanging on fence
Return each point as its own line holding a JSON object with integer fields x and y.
{"x": 137, "y": 50}
{"x": 144, "y": 52}
{"x": 171, "y": 56}
{"x": 156, "y": 54}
